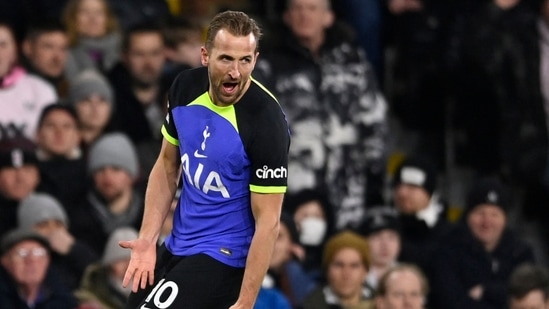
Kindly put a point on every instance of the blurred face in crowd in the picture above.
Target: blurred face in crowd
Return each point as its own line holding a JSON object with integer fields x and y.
{"x": 384, "y": 247}
{"x": 282, "y": 248}
{"x": 93, "y": 112}
{"x": 49, "y": 227}
{"x": 112, "y": 182}
{"x": 403, "y": 291}
{"x": 48, "y": 52}
{"x": 27, "y": 262}
{"x": 409, "y": 199}
{"x": 16, "y": 183}
{"x": 230, "y": 62}
{"x": 91, "y": 18}
{"x": 487, "y": 223}
{"x": 8, "y": 50}
{"x": 188, "y": 52}
{"x": 58, "y": 134}
{"x": 145, "y": 58}
{"x": 346, "y": 274}
{"x": 308, "y": 18}
{"x": 533, "y": 300}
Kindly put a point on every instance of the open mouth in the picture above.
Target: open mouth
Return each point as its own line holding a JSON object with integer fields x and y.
{"x": 230, "y": 88}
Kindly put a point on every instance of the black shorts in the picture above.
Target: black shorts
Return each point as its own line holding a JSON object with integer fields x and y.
{"x": 193, "y": 282}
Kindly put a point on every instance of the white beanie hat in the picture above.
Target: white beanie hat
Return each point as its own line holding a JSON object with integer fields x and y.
{"x": 113, "y": 149}
{"x": 39, "y": 207}
{"x": 113, "y": 252}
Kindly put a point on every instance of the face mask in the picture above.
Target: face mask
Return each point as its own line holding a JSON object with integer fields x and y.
{"x": 312, "y": 231}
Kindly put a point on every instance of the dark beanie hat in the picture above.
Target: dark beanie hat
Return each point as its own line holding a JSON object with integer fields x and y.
{"x": 288, "y": 221}
{"x": 418, "y": 172}
{"x": 69, "y": 109}
{"x": 16, "y": 152}
{"x": 488, "y": 190}
{"x": 379, "y": 218}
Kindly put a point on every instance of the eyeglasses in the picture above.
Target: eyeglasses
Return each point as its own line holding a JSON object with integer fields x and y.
{"x": 35, "y": 252}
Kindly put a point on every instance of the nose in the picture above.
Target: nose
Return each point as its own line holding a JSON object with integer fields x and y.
{"x": 234, "y": 71}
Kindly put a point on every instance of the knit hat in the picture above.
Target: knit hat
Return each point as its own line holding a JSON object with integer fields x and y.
{"x": 113, "y": 149}
{"x": 379, "y": 218}
{"x": 17, "y": 151}
{"x": 113, "y": 252}
{"x": 418, "y": 172}
{"x": 15, "y": 236}
{"x": 289, "y": 222}
{"x": 489, "y": 190}
{"x": 88, "y": 83}
{"x": 345, "y": 239}
{"x": 39, "y": 207}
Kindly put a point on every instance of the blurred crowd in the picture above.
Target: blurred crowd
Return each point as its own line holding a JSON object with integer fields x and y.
{"x": 418, "y": 167}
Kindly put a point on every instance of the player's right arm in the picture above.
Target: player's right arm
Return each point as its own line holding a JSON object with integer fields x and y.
{"x": 160, "y": 191}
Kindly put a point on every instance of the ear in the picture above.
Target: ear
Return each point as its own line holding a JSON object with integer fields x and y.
{"x": 328, "y": 19}
{"x": 204, "y": 56}
{"x": 26, "y": 48}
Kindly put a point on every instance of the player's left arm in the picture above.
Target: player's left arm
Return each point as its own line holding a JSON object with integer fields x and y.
{"x": 266, "y": 209}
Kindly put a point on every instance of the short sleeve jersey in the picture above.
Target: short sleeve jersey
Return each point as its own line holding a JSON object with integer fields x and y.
{"x": 226, "y": 153}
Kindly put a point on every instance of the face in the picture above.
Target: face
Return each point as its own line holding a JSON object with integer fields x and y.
{"x": 282, "y": 248}
{"x": 48, "y": 53}
{"x": 346, "y": 273}
{"x": 384, "y": 247}
{"x": 27, "y": 262}
{"x": 403, "y": 292}
{"x": 230, "y": 63}
{"x": 145, "y": 57}
{"x": 91, "y": 18}
{"x": 309, "y": 209}
{"x": 308, "y": 19}
{"x": 410, "y": 199}
{"x": 58, "y": 133}
{"x": 487, "y": 223}
{"x": 8, "y": 51}
{"x": 112, "y": 182}
{"x": 533, "y": 300}
{"x": 48, "y": 227}
{"x": 18, "y": 183}
{"x": 93, "y": 112}
{"x": 189, "y": 52}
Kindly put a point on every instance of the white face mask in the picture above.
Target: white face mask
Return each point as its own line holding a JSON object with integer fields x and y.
{"x": 312, "y": 231}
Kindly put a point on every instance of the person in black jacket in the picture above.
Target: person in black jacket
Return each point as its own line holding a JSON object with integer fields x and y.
{"x": 474, "y": 262}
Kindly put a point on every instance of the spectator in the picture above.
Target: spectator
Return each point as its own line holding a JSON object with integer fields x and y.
{"x": 529, "y": 287}
{"x": 19, "y": 177}
{"x": 473, "y": 264}
{"x": 314, "y": 220}
{"x": 69, "y": 256}
{"x": 26, "y": 277}
{"x": 45, "y": 51}
{"x": 335, "y": 109}
{"x": 22, "y": 95}
{"x": 140, "y": 97}
{"x": 402, "y": 286}
{"x": 111, "y": 201}
{"x": 381, "y": 227}
{"x": 285, "y": 272}
{"x": 92, "y": 97}
{"x": 132, "y": 12}
{"x": 422, "y": 213}
{"x": 60, "y": 160}
{"x": 93, "y": 36}
{"x": 102, "y": 284}
{"x": 345, "y": 262}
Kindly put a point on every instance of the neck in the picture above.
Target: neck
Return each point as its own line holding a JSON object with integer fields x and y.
{"x": 351, "y": 300}
{"x": 379, "y": 270}
{"x": 89, "y": 135}
{"x": 121, "y": 203}
{"x": 29, "y": 293}
{"x": 146, "y": 95}
{"x": 313, "y": 44}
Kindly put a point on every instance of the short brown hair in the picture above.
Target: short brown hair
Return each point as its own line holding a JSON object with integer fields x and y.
{"x": 236, "y": 22}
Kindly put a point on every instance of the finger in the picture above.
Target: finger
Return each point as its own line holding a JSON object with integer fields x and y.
{"x": 126, "y": 244}
{"x": 136, "y": 281}
{"x": 128, "y": 276}
{"x": 151, "y": 278}
{"x": 143, "y": 279}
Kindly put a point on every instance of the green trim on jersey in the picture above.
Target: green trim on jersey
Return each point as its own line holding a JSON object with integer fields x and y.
{"x": 226, "y": 112}
{"x": 263, "y": 189}
{"x": 264, "y": 89}
{"x": 168, "y": 137}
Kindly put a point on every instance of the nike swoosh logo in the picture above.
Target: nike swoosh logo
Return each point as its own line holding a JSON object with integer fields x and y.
{"x": 198, "y": 155}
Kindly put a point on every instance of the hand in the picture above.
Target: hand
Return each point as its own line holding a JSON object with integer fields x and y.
{"x": 476, "y": 292}
{"x": 141, "y": 267}
{"x": 60, "y": 240}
